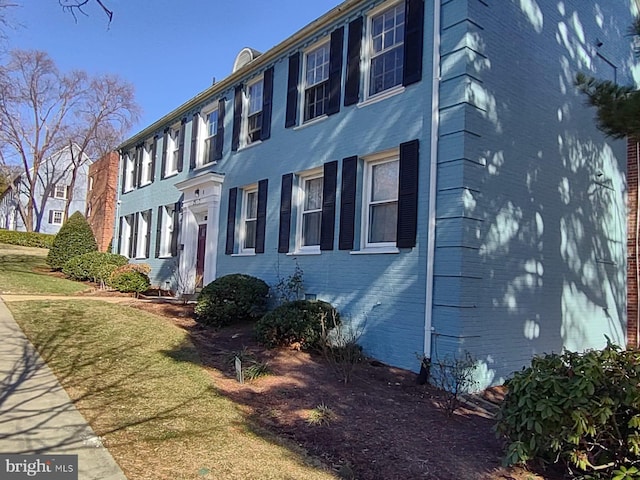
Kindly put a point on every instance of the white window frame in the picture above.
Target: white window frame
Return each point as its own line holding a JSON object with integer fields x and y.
{"x": 325, "y": 43}
{"x": 369, "y": 163}
{"x": 166, "y": 231}
{"x": 250, "y": 190}
{"x": 246, "y": 111}
{"x": 201, "y": 159}
{"x": 59, "y": 214}
{"x": 90, "y": 184}
{"x": 60, "y": 187}
{"x": 142, "y": 237}
{"x": 303, "y": 178}
{"x": 129, "y": 162}
{"x": 173, "y": 150}
{"x": 125, "y": 236}
{"x": 370, "y": 55}
{"x": 147, "y": 161}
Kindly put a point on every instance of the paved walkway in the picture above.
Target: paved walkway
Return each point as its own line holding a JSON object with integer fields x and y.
{"x": 36, "y": 414}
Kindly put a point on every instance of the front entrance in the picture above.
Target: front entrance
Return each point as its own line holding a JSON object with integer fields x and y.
{"x": 200, "y": 254}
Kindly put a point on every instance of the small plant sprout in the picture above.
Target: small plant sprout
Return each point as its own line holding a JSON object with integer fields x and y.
{"x": 321, "y": 415}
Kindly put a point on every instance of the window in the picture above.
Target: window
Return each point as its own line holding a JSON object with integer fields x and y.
{"x": 147, "y": 164}
{"x": 309, "y": 213}
{"x": 128, "y": 171}
{"x": 211, "y": 131}
{"x": 88, "y": 211}
{"x": 316, "y": 90}
{"x": 249, "y": 220}
{"x": 124, "y": 240}
{"x": 141, "y": 234}
{"x": 90, "y": 183}
{"x": 173, "y": 151}
{"x": 254, "y": 112}
{"x": 386, "y": 37}
{"x": 381, "y": 202}
{"x": 166, "y": 231}
{"x": 55, "y": 217}
{"x": 60, "y": 191}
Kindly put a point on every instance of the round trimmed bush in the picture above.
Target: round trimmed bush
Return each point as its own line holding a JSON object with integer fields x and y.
{"x": 130, "y": 281}
{"x": 232, "y": 299}
{"x": 74, "y": 238}
{"x": 93, "y": 266}
{"x": 298, "y": 322}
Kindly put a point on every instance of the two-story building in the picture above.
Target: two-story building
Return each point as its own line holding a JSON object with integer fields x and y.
{"x": 429, "y": 165}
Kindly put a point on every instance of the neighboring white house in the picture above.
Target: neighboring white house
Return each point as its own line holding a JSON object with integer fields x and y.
{"x": 51, "y": 194}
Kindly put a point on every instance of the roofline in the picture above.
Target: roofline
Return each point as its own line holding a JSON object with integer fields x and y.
{"x": 270, "y": 55}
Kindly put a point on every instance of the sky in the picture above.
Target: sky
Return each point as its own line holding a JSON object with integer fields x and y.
{"x": 169, "y": 49}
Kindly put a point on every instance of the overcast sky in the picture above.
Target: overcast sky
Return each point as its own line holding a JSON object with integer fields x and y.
{"x": 170, "y": 50}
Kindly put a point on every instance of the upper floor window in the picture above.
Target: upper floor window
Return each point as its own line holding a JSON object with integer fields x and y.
{"x": 249, "y": 220}
{"x": 60, "y": 191}
{"x": 90, "y": 183}
{"x": 309, "y": 212}
{"x": 128, "y": 171}
{"x": 208, "y": 153}
{"x": 386, "y": 37}
{"x": 254, "y": 112}
{"x": 173, "y": 151}
{"x": 146, "y": 175}
{"x": 316, "y": 90}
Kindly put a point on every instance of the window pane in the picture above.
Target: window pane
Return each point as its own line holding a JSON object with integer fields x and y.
{"x": 313, "y": 194}
{"x": 255, "y": 98}
{"x": 317, "y": 65}
{"x": 311, "y": 228}
{"x": 252, "y": 205}
{"x": 250, "y": 234}
{"x": 384, "y": 178}
{"x": 212, "y": 123}
{"x": 382, "y": 222}
{"x": 387, "y": 38}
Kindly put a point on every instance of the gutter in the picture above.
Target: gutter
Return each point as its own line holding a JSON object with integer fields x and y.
{"x": 260, "y": 62}
{"x": 431, "y": 227}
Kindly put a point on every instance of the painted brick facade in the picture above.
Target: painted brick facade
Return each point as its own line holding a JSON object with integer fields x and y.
{"x": 101, "y": 198}
{"x": 520, "y": 232}
{"x": 633, "y": 147}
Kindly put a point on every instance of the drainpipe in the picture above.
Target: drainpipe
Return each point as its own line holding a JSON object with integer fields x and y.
{"x": 431, "y": 227}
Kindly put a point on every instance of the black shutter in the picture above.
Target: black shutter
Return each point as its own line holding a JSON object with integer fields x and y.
{"x": 220, "y": 131}
{"x": 267, "y": 101}
{"x": 327, "y": 228}
{"x": 354, "y": 44}
{"x": 181, "y": 144}
{"x": 120, "y": 236}
{"x": 165, "y": 145}
{"x": 413, "y": 41}
{"x": 124, "y": 175}
{"x": 137, "y": 167}
{"x": 292, "y": 90}
{"x": 285, "y": 213}
{"x": 231, "y": 221}
{"x": 148, "y": 242}
{"x": 237, "y": 118}
{"x": 261, "y": 221}
{"x": 133, "y": 237}
{"x": 50, "y": 216}
{"x": 195, "y": 123}
{"x": 154, "y": 152}
{"x": 408, "y": 195}
{"x": 335, "y": 70}
{"x": 175, "y": 231}
{"x": 348, "y": 203}
{"x": 159, "y": 230}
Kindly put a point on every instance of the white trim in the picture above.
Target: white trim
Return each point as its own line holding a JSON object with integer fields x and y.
{"x": 142, "y": 234}
{"x": 313, "y": 121}
{"x": 244, "y": 254}
{"x": 246, "y": 102}
{"x": 172, "y": 147}
{"x": 147, "y": 162}
{"x": 203, "y": 135}
{"x": 391, "y": 92}
{"x": 375, "y": 251}
{"x": 433, "y": 172}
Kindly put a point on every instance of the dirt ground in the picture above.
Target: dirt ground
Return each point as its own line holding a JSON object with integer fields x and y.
{"x": 380, "y": 425}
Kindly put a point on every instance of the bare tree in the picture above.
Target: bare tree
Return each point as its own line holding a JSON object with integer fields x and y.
{"x": 77, "y": 6}
{"x": 43, "y": 111}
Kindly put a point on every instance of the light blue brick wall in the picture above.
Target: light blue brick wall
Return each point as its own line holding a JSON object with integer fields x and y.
{"x": 533, "y": 220}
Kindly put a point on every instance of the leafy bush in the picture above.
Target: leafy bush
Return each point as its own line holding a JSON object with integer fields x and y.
{"x": 27, "y": 239}
{"x": 296, "y": 323}
{"x": 74, "y": 238}
{"x": 94, "y": 266}
{"x": 581, "y": 409}
{"x": 130, "y": 281}
{"x": 231, "y": 299}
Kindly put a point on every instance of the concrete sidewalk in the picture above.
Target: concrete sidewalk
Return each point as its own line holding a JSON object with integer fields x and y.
{"x": 36, "y": 414}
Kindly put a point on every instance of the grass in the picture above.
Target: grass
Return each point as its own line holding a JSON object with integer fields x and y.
{"x": 138, "y": 381}
{"x": 23, "y": 270}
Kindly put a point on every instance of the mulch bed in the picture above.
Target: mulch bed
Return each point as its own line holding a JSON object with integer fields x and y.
{"x": 383, "y": 425}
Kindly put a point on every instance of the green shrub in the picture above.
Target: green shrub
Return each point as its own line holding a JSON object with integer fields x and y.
{"x": 74, "y": 238}
{"x": 130, "y": 281}
{"x": 296, "y": 323}
{"x": 231, "y": 299}
{"x": 580, "y": 409}
{"x": 94, "y": 266}
{"x": 27, "y": 239}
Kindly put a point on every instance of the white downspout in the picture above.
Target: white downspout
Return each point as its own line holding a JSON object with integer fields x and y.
{"x": 431, "y": 227}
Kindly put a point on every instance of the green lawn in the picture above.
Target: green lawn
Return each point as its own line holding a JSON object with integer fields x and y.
{"x": 138, "y": 381}
{"x": 23, "y": 270}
